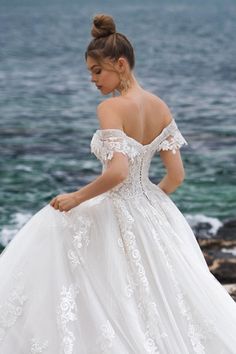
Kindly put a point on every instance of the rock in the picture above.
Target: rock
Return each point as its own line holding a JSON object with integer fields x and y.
{"x": 224, "y": 269}
{"x": 231, "y": 288}
{"x": 228, "y": 230}
{"x": 1, "y": 248}
{"x": 221, "y": 264}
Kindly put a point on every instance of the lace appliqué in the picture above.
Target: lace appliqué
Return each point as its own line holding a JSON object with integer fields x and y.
{"x": 13, "y": 308}
{"x": 137, "y": 280}
{"x": 173, "y": 142}
{"x": 105, "y": 340}
{"x": 80, "y": 229}
{"x": 107, "y": 141}
{"x": 131, "y": 285}
{"x": 66, "y": 313}
{"x": 128, "y": 242}
{"x": 152, "y": 337}
{"x": 197, "y": 332}
{"x": 36, "y": 347}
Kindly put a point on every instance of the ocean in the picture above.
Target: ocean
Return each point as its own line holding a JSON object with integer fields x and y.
{"x": 185, "y": 54}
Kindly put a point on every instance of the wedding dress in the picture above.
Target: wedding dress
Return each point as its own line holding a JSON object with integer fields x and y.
{"x": 121, "y": 273}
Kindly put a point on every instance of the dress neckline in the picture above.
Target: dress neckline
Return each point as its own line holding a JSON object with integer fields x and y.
{"x": 172, "y": 122}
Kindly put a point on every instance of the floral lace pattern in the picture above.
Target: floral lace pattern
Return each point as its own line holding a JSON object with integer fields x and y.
{"x": 37, "y": 347}
{"x": 138, "y": 281}
{"x": 172, "y": 139}
{"x": 120, "y": 274}
{"x": 66, "y": 313}
{"x": 131, "y": 284}
{"x": 198, "y": 332}
{"x": 80, "y": 228}
{"x": 106, "y": 141}
{"x": 128, "y": 242}
{"x": 13, "y": 308}
{"x": 105, "y": 339}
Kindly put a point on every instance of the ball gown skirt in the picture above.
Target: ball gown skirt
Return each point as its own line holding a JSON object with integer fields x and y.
{"x": 121, "y": 273}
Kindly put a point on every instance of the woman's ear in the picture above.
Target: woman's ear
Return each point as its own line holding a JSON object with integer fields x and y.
{"x": 121, "y": 65}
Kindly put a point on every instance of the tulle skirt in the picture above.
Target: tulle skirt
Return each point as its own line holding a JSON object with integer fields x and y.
{"x": 118, "y": 276}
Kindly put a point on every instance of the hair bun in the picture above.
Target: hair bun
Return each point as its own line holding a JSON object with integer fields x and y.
{"x": 103, "y": 26}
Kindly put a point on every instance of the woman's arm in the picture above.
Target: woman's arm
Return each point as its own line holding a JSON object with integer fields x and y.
{"x": 175, "y": 171}
{"x": 115, "y": 173}
{"x": 116, "y": 170}
{"x": 110, "y": 116}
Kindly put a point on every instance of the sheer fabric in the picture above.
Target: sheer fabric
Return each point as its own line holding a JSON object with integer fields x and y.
{"x": 122, "y": 273}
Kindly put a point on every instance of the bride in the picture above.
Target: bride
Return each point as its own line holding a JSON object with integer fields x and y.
{"x": 114, "y": 267}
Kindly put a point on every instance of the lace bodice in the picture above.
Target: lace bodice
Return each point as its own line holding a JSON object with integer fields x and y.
{"x": 106, "y": 141}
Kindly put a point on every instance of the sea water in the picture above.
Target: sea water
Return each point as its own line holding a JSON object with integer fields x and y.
{"x": 185, "y": 54}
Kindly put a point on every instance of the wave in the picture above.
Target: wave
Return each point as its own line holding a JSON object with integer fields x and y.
{"x": 204, "y": 226}
{"x": 17, "y": 221}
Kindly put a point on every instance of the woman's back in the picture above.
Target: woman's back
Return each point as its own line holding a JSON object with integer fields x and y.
{"x": 144, "y": 115}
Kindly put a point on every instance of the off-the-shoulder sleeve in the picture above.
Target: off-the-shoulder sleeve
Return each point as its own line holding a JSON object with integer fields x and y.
{"x": 107, "y": 141}
{"x": 171, "y": 138}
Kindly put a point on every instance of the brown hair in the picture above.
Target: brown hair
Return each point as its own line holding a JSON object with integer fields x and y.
{"x": 108, "y": 43}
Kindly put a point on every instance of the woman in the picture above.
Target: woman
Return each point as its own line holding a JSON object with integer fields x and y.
{"x": 114, "y": 267}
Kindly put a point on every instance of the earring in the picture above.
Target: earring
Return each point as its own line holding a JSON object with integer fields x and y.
{"x": 124, "y": 85}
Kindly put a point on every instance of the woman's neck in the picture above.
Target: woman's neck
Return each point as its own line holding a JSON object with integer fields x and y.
{"x": 133, "y": 86}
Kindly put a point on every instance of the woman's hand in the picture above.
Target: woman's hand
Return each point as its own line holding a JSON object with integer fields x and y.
{"x": 65, "y": 202}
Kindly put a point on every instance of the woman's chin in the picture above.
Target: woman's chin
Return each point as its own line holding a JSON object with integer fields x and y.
{"x": 108, "y": 92}
{"x": 105, "y": 92}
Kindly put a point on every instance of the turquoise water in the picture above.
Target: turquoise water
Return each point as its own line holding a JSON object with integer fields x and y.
{"x": 185, "y": 53}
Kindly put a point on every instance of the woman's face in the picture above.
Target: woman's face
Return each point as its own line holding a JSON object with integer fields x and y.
{"x": 104, "y": 77}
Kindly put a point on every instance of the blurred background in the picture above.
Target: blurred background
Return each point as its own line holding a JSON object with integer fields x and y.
{"x": 185, "y": 54}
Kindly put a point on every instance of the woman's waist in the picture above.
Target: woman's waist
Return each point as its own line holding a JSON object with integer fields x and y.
{"x": 133, "y": 189}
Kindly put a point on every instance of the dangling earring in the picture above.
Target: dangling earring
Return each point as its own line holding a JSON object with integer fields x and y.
{"x": 124, "y": 85}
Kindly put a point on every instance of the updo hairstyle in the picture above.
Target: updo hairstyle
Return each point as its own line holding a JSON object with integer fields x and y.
{"x": 108, "y": 43}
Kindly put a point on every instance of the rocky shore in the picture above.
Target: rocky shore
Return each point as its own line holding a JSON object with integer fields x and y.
{"x": 220, "y": 254}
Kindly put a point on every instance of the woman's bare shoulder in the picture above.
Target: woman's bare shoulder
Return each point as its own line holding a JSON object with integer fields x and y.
{"x": 157, "y": 99}
{"x": 110, "y": 112}
{"x": 113, "y": 102}
{"x": 164, "y": 111}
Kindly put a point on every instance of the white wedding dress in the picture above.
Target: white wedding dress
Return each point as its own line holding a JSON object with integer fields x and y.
{"x": 121, "y": 273}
